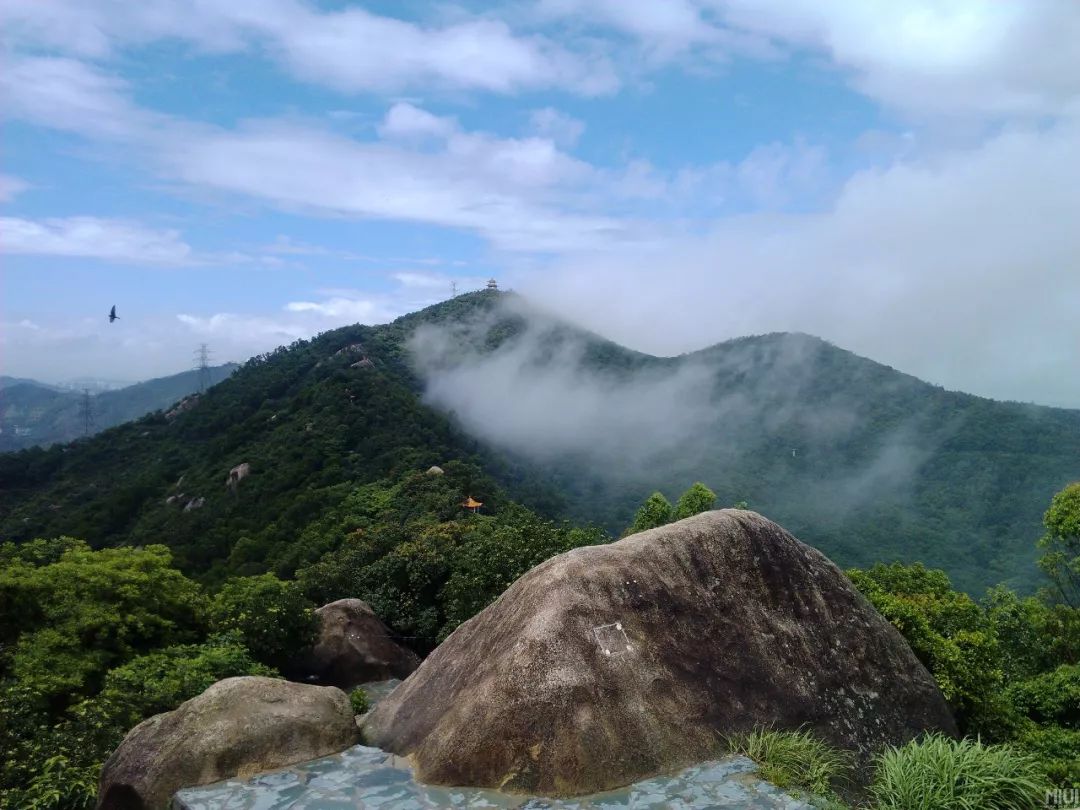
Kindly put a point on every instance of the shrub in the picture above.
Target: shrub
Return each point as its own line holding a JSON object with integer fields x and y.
{"x": 697, "y": 499}
{"x": 273, "y": 617}
{"x": 938, "y": 773}
{"x": 656, "y": 511}
{"x": 359, "y": 700}
{"x": 952, "y": 636}
{"x": 1052, "y": 697}
{"x": 79, "y": 613}
{"x": 55, "y": 764}
{"x": 1057, "y": 751}
{"x": 794, "y": 759}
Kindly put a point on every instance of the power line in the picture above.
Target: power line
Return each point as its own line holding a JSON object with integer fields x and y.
{"x": 86, "y": 412}
{"x": 202, "y": 365}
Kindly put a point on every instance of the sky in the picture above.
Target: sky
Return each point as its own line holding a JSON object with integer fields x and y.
{"x": 901, "y": 179}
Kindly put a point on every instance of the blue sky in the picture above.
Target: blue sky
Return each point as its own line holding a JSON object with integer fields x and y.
{"x": 900, "y": 179}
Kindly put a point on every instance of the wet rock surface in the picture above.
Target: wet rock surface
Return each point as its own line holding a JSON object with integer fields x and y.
{"x": 363, "y": 777}
{"x": 608, "y": 664}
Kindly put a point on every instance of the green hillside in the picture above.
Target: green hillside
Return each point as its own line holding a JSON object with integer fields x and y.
{"x": 864, "y": 462}
{"x": 36, "y": 415}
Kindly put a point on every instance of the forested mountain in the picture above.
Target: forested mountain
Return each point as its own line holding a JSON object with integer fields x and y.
{"x": 864, "y": 462}
{"x": 33, "y": 414}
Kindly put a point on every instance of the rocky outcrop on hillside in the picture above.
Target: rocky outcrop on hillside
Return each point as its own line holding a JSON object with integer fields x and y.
{"x": 353, "y": 647}
{"x": 239, "y": 726}
{"x": 610, "y": 663}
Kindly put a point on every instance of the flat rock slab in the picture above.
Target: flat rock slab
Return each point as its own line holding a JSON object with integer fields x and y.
{"x": 364, "y": 777}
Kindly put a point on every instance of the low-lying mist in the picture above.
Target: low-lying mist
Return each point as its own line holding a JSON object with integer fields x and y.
{"x": 747, "y": 417}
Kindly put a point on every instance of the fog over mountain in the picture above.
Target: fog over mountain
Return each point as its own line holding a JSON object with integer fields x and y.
{"x": 553, "y": 392}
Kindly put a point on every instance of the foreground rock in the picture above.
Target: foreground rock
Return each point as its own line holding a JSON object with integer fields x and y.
{"x": 354, "y": 647}
{"x": 237, "y": 727}
{"x": 611, "y": 663}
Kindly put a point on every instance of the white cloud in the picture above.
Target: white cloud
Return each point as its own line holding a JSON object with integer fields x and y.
{"x": 508, "y": 190}
{"x": 479, "y": 54}
{"x": 92, "y": 237}
{"x": 516, "y": 192}
{"x": 405, "y": 120}
{"x": 11, "y": 187}
{"x": 960, "y": 269}
{"x": 563, "y": 129}
{"x": 928, "y": 57}
{"x": 668, "y": 26}
{"x": 344, "y": 310}
{"x": 71, "y": 95}
{"x": 350, "y": 49}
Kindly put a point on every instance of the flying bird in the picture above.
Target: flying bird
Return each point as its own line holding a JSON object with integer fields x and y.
{"x": 112, "y": 314}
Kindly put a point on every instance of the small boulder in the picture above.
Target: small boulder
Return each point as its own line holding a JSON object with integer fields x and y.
{"x": 354, "y": 647}
{"x": 611, "y": 663}
{"x": 237, "y": 727}
{"x": 237, "y": 474}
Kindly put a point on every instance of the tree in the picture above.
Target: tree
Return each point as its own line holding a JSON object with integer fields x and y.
{"x": 699, "y": 498}
{"x": 949, "y": 632}
{"x": 273, "y": 617}
{"x": 83, "y": 612}
{"x": 656, "y": 511}
{"x": 1061, "y": 545}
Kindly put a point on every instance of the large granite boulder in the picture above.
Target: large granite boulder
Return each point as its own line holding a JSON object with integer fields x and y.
{"x": 237, "y": 727}
{"x": 610, "y": 663}
{"x": 353, "y": 647}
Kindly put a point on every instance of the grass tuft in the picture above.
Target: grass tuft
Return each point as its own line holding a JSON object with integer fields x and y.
{"x": 794, "y": 759}
{"x": 939, "y": 773}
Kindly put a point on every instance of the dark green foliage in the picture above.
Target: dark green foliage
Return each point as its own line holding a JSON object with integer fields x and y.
{"x": 656, "y": 511}
{"x": 53, "y": 761}
{"x": 1060, "y": 545}
{"x": 1051, "y": 697}
{"x": 699, "y": 498}
{"x": 1057, "y": 751}
{"x": 359, "y": 700}
{"x": 93, "y": 643}
{"x": 423, "y": 563}
{"x": 67, "y": 621}
{"x": 887, "y": 467}
{"x": 272, "y": 618}
{"x": 950, "y": 634}
{"x": 495, "y": 553}
{"x": 1007, "y": 666}
{"x": 313, "y": 426}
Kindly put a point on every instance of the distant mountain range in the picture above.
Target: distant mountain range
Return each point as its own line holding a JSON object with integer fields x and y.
{"x": 858, "y": 459}
{"x": 36, "y": 414}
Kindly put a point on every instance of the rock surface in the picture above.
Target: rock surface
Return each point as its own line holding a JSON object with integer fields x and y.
{"x": 610, "y": 663}
{"x": 239, "y": 726}
{"x": 361, "y": 778}
{"x": 354, "y": 647}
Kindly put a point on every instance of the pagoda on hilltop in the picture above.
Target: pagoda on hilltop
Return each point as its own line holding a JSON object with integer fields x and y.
{"x": 471, "y": 504}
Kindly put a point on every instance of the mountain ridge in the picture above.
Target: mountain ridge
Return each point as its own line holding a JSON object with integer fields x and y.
{"x": 33, "y": 413}
{"x": 861, "y": 460}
